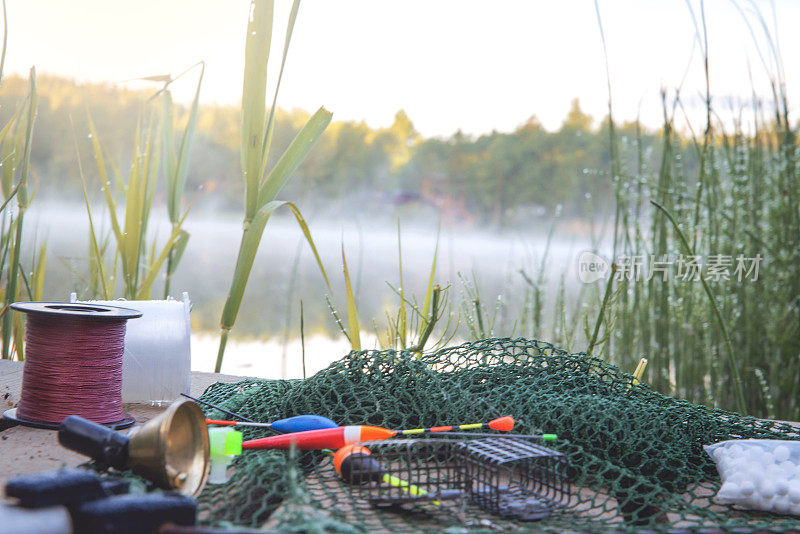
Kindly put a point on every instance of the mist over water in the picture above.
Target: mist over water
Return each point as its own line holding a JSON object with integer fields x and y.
{"x": 286, "y": 272}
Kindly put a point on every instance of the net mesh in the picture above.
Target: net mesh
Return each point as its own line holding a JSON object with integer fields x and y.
{"x": 635, "y": 457}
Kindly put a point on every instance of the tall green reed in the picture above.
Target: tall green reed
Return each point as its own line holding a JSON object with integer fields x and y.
{"x": 176, "y": 168}
{"x": 16, "y": 139}
{"x": 722, "y": 341}
{"x": 411, "y": 325}
{"x": 136, "y": 253}
{"x": 262, "y": 187}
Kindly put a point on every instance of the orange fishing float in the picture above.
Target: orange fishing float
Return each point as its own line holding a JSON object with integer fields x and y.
{"x": 324, "y": 438}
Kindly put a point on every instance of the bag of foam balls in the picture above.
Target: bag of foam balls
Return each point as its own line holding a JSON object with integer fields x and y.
{"x": 759, "y": 474}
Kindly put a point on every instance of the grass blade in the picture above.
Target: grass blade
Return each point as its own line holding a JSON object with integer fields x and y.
{"x": 19, "y": 335}
{"x": 143, "y": 291}
{"x": 732, "y": 364}
{"x": 303, "y": 142}
{"x": 5, "y": 40}
{"x": 260, "y": 199}
{"x": 426, "y": 304}
{"x": 177, "y": 251}
{"x": 37, "y": 280}
{"x": 352, "y": 312}
{"x": 301, "y": 222}
{"x": 601, "y": 316}
{"x": 259, "y": 36}
{"x": 22, "y": 204}
{"x": 170, "y": 154}
{"x": 8, "y": 154}
{"x": 22, "y": 195}
{"x": 178, "y": 163}
{"x": 251, "y": 239}
{"x": 271, "y": 120}
{"x": 94, "y": 247}
{"x": 402, "y": 315}
{"x": 130, "y": 242}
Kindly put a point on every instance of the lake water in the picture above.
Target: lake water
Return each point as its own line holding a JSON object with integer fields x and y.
{"x": 265, "y": 341}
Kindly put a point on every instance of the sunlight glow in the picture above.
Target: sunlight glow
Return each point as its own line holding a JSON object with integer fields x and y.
{"x": 450, "y": 64}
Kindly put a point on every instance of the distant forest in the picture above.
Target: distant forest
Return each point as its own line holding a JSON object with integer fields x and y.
{"x": 498, "y": 179}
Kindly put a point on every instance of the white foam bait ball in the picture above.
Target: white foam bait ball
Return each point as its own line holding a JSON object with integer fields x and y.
{"x": 766, "y": 490}
{"x": 794, "y": 491}
{"x": 735, "y": 449}
{"x": 739, "y": 464}
{"x": 763, "y": 459}
{"x": 788, "y": 468}
{"x": 753, "y": 455}
{"x": 774, "y": 472}
{"x": 737, "y": 477}
{"x": 781, "y": 505}
{"x": 781, "y": 453}
{"x": 753, "y": 473}
{"x": 729, "y": 490}
{"x": 752, "y": 502}
{"x": 759, "y": 475}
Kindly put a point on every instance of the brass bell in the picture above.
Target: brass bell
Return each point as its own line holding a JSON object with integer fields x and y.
{"x": 171, "y": 450}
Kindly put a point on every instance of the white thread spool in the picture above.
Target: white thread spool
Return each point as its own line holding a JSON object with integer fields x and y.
{"x": 156, "y": 365}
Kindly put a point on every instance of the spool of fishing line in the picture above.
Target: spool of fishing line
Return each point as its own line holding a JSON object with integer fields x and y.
{"x": 73, "y": 364}
{"x": 156, "y": 364}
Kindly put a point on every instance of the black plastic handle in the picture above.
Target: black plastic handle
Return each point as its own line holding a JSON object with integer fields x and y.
{"x": 102, "y": 444}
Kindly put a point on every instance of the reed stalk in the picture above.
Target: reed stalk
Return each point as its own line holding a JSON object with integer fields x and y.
{"x": 262, "y": 187}
{"x": 732, "y": 341}
{"x": 16, "y": 154}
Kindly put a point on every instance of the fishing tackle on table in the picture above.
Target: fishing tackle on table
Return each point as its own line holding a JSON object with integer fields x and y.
{"x": 335, "y": 438}
{"x": 355, "y": 465}
{"x": 297, "y": 423}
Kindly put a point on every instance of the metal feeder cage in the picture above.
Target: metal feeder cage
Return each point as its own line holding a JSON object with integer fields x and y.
{"x": 512, "y": 477}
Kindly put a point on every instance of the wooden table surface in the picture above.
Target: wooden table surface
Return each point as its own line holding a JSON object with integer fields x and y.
{"x": 29, "y": 450}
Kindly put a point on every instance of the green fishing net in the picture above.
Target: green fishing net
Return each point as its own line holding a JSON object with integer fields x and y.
{"x": 635, "y": 458}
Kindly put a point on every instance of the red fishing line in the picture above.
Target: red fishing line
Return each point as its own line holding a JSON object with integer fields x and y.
{"x": 73, "y": 366}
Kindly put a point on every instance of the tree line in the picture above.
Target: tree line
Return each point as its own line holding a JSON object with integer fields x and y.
{"x": 497, "y": 178}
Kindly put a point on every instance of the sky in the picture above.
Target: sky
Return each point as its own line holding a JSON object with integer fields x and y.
{"x": 474, "y": 66}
